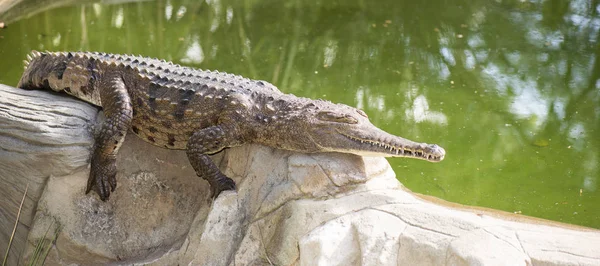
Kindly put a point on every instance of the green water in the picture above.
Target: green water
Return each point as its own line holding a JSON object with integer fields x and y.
{"x": 511, "y": 89}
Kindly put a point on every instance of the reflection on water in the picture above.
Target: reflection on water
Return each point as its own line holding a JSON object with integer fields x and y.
{"x": 419, "y": 112}
{"x": 511, "y": 89}
{"x": 194, "y": 54}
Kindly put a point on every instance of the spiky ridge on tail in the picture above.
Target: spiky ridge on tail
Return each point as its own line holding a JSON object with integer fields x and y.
{"x": 72, "y": 73}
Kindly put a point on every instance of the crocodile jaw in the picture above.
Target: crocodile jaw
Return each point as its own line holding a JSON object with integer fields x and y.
{"x": 401, "y": 148}
{"x": 378, "y": 143}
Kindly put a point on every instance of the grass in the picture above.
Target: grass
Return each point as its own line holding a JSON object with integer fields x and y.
{"x": 43, "y": 246}
{"x": 15, "y": 227}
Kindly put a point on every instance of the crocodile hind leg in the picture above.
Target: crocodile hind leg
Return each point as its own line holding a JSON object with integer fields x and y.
{"x": 118, "y": 111}
{"x": 209, "y": 141}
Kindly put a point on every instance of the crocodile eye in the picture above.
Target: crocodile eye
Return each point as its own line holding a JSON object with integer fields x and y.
{"x": 361, "y": 112}
{"x": 335, "y": 117}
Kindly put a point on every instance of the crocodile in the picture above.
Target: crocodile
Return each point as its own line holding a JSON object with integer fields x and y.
{"x": 202, "y": 112}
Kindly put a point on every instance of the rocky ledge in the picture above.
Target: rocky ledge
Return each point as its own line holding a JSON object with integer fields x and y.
{"x": 290, "y": 208}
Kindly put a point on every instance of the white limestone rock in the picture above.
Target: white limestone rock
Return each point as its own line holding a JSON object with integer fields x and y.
{"x": 290, "y": 208}
{"x": 484, "y": 247}
{"x": 371, "y": 235}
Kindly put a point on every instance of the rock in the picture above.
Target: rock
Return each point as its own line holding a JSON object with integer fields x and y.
{"x": 37, "y": 142}
{"x": 492, "y": 249}
{"x": 290, "y": 208}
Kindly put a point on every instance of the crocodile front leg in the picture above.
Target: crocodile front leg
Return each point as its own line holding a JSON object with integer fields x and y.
{"x": 208, "y": 141}
{"x": 118, "y": 111}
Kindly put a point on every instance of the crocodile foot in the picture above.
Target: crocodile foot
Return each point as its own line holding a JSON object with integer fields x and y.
{"x": 103, "y": 174}
{"x": 220, "y": 184}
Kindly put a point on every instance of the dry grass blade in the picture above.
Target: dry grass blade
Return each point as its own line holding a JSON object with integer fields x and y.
{"x": 15, "y": 227}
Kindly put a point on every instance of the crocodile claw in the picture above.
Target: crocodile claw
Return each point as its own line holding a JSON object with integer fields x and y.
{"x": 103, "y": 174}
{"x": 221, "y": 184}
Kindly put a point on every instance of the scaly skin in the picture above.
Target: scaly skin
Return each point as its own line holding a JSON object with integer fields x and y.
{"x": 203, "y": 112}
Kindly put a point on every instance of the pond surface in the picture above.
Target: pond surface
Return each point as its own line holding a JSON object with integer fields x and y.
{"x": 511, "y": 89}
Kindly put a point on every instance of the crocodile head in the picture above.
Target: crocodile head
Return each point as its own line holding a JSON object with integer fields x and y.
{"x": 321, "y": 126}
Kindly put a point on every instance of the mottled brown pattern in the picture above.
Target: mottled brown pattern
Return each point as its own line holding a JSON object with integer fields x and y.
{"x": 203, "y": 112}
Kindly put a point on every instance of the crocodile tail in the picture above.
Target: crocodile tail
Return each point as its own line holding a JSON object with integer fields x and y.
{"x": 32, "y": 76}
{"x": 44, "y": 70}
{"x": 72, "y": 73}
